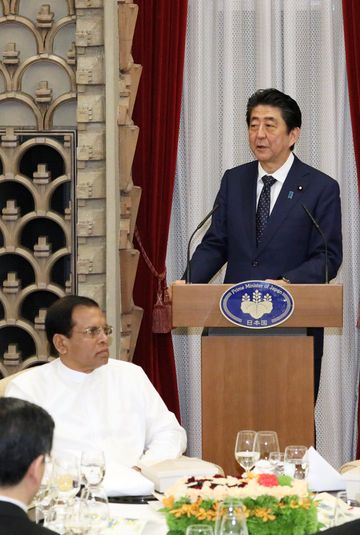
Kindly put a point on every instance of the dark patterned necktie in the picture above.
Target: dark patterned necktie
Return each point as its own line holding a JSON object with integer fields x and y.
{"x": 263, "y": 209}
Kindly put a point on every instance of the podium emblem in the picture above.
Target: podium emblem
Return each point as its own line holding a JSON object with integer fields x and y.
{"x": 257, "y": 304}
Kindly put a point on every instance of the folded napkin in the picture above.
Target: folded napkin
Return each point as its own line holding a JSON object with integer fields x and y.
{"x": 322, "y": 476}
{"x": 326, "y": 510}
{"x": 352, "y": 481}
{"x": 124, "y": 481}
{"x": 165, "y": 473}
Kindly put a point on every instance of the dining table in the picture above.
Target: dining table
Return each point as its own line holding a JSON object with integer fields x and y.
{"x": 146, "y": 519}
{"x": 136, "y": 519}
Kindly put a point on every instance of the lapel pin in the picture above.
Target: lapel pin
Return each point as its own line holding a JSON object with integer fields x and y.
{"x": 290, "y": 194}
{"x": 300, "y": 188}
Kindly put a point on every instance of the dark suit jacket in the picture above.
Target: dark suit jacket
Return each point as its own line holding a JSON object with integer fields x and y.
{"x": 291, "y": 246}
{"x": 349, "y": 528}
{"x": 14, "y": 521}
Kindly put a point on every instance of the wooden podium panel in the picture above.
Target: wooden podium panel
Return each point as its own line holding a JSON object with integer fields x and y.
{"x": 316, "y": 305}
{"x": 255, "y": 382}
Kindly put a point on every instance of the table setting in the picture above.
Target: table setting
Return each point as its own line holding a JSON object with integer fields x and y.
{"x": 285, "y": 488}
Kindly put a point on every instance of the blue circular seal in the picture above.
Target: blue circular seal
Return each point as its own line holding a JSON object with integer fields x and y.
{"x": 257, "y": 304}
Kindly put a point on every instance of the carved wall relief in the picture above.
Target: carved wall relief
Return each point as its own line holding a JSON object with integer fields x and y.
{"x": 53, "y": 168}
{"x": 129, "y": 194}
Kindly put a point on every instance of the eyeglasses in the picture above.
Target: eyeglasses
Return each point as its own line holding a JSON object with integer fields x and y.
{"x": 94, "y": 332}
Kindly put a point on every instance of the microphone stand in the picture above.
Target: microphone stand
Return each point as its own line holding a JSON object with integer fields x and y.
{"x": 188, "y": 268}
{"x": 318, "y": 228}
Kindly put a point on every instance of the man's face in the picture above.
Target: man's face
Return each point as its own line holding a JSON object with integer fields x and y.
{"x": 81, "y": 351}
{"x": 269, "y": 138}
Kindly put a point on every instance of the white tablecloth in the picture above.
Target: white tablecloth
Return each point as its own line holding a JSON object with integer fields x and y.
{"x": 150, "y": 522}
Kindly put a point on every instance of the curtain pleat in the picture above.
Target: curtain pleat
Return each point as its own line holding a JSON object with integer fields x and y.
{"x": 158, "y": 45}
{"x": 351, "y": 18}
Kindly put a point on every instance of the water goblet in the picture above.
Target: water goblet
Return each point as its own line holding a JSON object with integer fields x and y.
{"x": 265, "y": 442}
{"x": 344, "y": 506}
{"x": 65, "y": 478}
{"x": 230, "y": 519}
{"x": 94, "y": 494}
{"x": 295, "y": 462}
{"x": 276, "y": 459}
{"x": 199, "y": 529}
{"x": 43, "y": 499}
{"x": 245, "y": 452}
{"x": 77, "y": 521}
{"x": 56, "y": 518}
{"x": 99, "y": 516}
{"x": 92, "y": 464}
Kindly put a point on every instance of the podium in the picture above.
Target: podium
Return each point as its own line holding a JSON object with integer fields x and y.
{"x": 261, "y": 380}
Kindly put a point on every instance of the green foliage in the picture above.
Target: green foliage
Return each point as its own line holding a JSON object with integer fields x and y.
{"x": 291, "y": 518}
{"x": 284, "y": 481}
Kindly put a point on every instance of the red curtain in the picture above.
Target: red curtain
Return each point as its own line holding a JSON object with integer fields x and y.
{"x": 158, "y": 45}
{"x": 351, "y": 16}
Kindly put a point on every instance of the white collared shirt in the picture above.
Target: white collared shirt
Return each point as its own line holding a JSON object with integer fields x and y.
{"x": 280, "y": 176}
{"x": 115, "y": 408}
{"x": 20, "y": 504}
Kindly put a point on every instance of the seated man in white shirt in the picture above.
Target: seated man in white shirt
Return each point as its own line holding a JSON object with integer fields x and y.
{"x": 26, "y": 433}
{"x": 97, "y": 402}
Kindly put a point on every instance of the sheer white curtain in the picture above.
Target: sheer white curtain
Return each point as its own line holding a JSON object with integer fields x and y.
{"x": 233, "y": 48}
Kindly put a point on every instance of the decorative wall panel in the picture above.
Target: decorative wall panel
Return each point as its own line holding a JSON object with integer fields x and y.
{"x": 53, "y": 217}
{"x": 129, "y": 194}
{"x": 91, "y": 151}
{"x": 37, "y": 172}
{"x": 36, "y": 239}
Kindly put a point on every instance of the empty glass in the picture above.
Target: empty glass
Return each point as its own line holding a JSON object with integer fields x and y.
{"x": 344, "y": 508}
{"x": 230, "y": 519}
{"x": 199, "y": 529}
{"x": 99, "y": 515}
{"x": 43, "y": 499}
{"x": 77, "y": 520}
{"x": 276, "y": 459}
{"x": 56, "y": 518}
{"x": 295, "y": 462}
{"x": 97, "y": 494}
{"x": 266, "y": 442}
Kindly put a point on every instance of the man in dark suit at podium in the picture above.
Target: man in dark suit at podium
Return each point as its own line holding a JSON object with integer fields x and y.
{"x": 26, "y": 433}
{"x": 275, "y": 218}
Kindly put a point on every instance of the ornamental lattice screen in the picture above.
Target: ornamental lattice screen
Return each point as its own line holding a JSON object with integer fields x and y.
{"x": 55, "y": 227}
{"x": 36, "y": 236}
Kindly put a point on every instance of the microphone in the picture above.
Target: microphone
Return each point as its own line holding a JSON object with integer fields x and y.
{"x": 188, "y": 269}
{"x": 318, "y": 228}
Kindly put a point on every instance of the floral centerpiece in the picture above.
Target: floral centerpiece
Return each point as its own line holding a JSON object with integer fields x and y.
{"x": 272, "y": 504}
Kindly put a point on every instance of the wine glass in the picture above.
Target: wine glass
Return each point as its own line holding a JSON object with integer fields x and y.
{"x": 199, "y": 529}
{"x": 65, "y": 478}
{"x": 92, "y": 464}
{"x": 56, "y": 518}
{"x": 99, "y": 515}
{"x": 43, "y": 499}
{"x": 77, "y": 520}
{"x": 94, "y": 494}
{"x": 295, "y": 462}
{"x": 230, "y": 519}
{"x": 276, "y": 459}
{"x": 265, "y": 442}
{"x": 343, "y": 507}
{"x": 246, "y": 453}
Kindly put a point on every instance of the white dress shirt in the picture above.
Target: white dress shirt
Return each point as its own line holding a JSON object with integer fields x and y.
{"x": 115, "y": 408}
{"x": 280, "y": 176}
